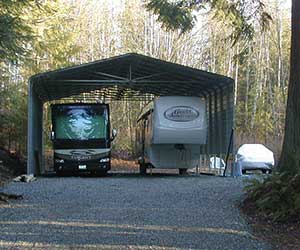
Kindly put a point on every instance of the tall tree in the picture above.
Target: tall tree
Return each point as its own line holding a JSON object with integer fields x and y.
{"x": 290, "y": 156}
{"x": 14, "y": 32}
{"x": 15, "y": 28}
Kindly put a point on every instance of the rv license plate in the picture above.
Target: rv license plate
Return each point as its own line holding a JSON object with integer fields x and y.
{"x": 81, "y": 166}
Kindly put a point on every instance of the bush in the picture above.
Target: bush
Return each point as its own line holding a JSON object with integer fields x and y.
{"x": 277, "y": 196}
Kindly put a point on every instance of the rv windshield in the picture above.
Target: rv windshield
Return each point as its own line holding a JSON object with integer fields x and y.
{"x": 81, "y": 122}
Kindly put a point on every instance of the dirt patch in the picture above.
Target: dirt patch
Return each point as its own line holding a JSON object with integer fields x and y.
{"x": 283, "y": 236}
{"x": 124, "y": 165}
{"x": 10, "y": 166}
{"x": 5, "y": 175}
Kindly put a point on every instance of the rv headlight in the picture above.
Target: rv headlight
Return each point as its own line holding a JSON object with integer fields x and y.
{"x": 104, "y": 160}
{"x": 59, "y": 160}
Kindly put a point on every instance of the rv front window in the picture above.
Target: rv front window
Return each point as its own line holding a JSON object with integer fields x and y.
{"x": 81, "y": 123}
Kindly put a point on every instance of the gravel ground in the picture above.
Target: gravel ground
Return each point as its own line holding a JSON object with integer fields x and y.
{"x": 157, "y": 212}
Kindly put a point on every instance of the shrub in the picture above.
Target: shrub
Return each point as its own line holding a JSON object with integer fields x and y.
{"x": 277, "y": 196}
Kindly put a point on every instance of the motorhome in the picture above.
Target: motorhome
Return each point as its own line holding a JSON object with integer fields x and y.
{"x": 81, "y": 137}
{"x": 170, "y": 132}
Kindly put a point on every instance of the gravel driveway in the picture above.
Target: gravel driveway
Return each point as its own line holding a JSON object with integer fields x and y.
{"x": 126, "y": 212}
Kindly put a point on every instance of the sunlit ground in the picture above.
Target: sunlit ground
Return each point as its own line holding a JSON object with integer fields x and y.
{"x": 165, "y": 211}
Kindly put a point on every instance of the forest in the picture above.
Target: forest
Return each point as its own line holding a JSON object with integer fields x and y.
{"x": 55, "y": 34}
{"x": 256, "y": 43}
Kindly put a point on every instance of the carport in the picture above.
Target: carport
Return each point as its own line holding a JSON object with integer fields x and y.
{"x": 133, "y": 77}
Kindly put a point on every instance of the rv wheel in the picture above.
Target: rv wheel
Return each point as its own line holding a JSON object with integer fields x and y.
{"x": 182, "y": 171}
{"x": 143, "y": 169}
{"x": 60, "y": 173}
{"x": 98, "y": 173}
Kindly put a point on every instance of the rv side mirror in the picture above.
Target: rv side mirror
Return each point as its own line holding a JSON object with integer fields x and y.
{"x": 113, "y": 134}
{"x": 52, "y": 135}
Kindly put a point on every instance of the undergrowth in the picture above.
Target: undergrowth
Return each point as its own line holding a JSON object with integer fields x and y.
{"x": 277, "y": 197}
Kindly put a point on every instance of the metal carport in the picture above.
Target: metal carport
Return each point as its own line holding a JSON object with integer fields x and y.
{"x": 135, "y": 77}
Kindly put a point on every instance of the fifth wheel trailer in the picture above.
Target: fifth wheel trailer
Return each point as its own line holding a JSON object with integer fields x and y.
{"x": 170, "y": 133}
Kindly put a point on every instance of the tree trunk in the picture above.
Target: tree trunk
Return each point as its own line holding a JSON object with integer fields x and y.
{"x": 290, "y": 156}
{"x": 236, "y": 77}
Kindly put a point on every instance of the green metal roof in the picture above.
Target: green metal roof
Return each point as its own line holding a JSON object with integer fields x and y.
{"x": 131, "y": 76}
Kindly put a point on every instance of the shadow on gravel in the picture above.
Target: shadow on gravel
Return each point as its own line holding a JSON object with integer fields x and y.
{"x": 124, "y": 210}
{"x": 121, "y": 175}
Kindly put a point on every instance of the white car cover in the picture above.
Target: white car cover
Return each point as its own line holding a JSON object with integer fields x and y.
{"x": 255, "y": 156}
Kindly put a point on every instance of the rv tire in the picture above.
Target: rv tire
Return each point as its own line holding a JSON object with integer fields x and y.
{"x": 98, "y": 173}
{"x": 60, "y": 173}
{"x": 182, "y": 171}
{"x": 143, "y": 169}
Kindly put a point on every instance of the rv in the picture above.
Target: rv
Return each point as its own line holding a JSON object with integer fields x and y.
{"x": 170, "y": 133}
{"x": 81, "y": 137}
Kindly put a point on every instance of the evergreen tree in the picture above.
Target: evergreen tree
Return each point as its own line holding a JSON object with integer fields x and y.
{"x": 290, "y": 157}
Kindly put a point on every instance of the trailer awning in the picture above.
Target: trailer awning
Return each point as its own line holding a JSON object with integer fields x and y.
{"x": 129, "y": 76}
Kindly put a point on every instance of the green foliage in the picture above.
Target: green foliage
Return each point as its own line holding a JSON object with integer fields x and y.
{"x": 277, "y": 196}
{"x": 239, "y": 15}
{"x": 14, "y": 33}
{"x": 260, "y": 121}
{"x": 16, "y": 28}
{"x": 291, "y": 162}
{"x": 35, "y": 40}
{"x": 54, "y": 45}
{"x": 13, "y": 111}
{"x": 173, "y": 15}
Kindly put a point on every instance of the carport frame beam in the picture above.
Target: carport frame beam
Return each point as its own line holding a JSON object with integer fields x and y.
{"x": 35, "y": 131}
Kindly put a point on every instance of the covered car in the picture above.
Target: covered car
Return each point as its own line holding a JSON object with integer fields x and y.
{"x": 255, "y": 156}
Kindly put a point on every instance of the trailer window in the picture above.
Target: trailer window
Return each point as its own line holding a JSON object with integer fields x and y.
{"x": 81, "y": 123}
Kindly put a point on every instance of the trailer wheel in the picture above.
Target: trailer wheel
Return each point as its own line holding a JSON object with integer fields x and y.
{"x": 143, "y": 169}
{"x": 182, "y": 171}
{"x": 244, "y": 171}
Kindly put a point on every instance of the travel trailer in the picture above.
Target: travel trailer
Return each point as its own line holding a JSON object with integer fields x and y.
{"x": 170, "y": 133}
{"x": 81, "y": 137}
